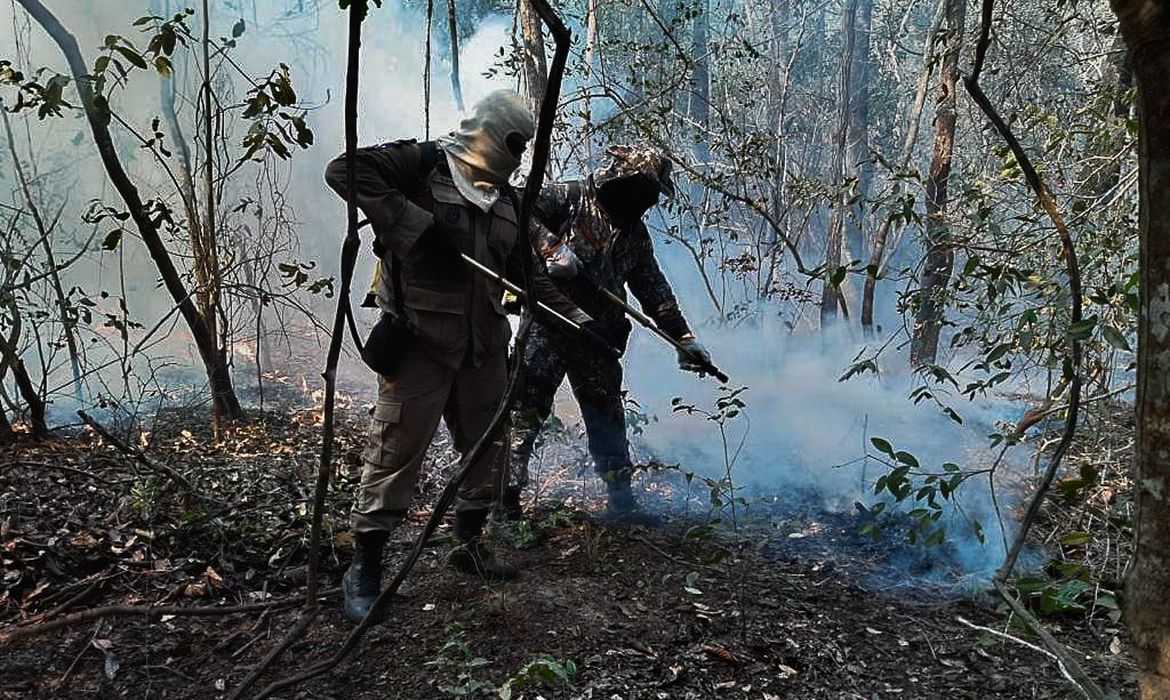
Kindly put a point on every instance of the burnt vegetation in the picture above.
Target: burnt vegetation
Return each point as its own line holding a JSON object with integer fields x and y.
{"x": 920, "y": 237}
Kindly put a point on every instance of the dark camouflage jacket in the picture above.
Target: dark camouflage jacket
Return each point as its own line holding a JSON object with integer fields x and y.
{"x": 611, "y": 256}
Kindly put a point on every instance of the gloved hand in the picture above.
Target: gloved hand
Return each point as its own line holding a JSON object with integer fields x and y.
{"x": 439, "y": 247}
{"x": 696, "y": 358}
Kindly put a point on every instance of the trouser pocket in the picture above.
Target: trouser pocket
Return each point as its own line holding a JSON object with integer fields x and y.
{"x": 382, "y": 440}
{"x": 387, "y": 485}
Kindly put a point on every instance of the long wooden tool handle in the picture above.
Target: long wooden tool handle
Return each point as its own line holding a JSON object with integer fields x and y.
{"x": 708, "y": 366}
{"x": 538, "y": 306}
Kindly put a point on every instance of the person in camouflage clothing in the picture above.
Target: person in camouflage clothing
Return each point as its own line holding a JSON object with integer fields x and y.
{"x": 590, "y": 234}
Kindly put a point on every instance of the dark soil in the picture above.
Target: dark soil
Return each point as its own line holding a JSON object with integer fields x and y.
{"x": 604, "y": 611}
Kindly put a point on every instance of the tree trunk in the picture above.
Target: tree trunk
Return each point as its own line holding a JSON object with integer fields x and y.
{"x": 877, "y": 258}
{"x": 453, "y": 32}
{"x": 940, "y": 255}
{"x": 1145, "y": 24}
{"x": 7, "y": 434}
{"x": 535, "y": 66}
{"x": 591, "y": 61}
{"x": 426, "y": 74}
{"x": 858, "y": 164}
{"x": 223, "y": 406}
{"x": 700, "y": 100}
{"x": 831, "y": 290}
{"x": 779, "y": 81}
{"x": 218, "y": 373}
{"x": 10, "y": 360}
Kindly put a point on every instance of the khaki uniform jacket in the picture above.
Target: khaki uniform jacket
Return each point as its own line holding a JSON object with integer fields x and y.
{"x": 456, "y": 316}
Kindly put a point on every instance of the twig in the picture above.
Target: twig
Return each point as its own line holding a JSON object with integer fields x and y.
{"x": 136, "y": 453}
{"x": 55, "y": 467}
{"x": 677, "y": 560}
{"x": 84, "y": 648}
{"x": 1067, "y": 662}
{"x": 1017, "y": 640}
{"x": 298, "y": 630}
{"x": 85, "y": 594}
{"x": 151, "y": 612}
{"x": 1072, "y": 370}
{"x": 349, "y": 252}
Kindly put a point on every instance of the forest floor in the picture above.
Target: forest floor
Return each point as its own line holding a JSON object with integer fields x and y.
{"x": 793, "y": 604}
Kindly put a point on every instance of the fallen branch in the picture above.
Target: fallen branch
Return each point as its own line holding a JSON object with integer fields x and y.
{"x": 298, "y": 631}
{"x": 1022, "y": 642}
{"x": 136, "y": 453}
{"x": 86, "y": 593}
{"x": 678, "y": 560}
{"x": 1068, "y": 664}
{"x": 55, "y": 467}
{"x": 151, "y": 612}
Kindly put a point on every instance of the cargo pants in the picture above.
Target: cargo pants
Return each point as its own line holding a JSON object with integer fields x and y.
{"x": 596, "y": 381}
{"x": 404, "y": 421}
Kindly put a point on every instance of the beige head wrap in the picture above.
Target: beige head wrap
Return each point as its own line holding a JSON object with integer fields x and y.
{"x": 479, "y": 142}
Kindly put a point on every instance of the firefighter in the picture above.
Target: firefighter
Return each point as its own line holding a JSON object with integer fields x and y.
{"x": 590, "y": 235}
{"x": 428, "y": 203}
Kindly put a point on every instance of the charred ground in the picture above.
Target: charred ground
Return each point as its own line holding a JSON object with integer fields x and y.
{"x": 796, "y": 605}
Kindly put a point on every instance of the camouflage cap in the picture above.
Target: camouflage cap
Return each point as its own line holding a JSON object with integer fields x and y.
{"x": 638, "y": 159}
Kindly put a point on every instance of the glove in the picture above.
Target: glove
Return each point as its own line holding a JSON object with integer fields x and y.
{"x": 439, "y": 247}
{"x": 695, "y": 359}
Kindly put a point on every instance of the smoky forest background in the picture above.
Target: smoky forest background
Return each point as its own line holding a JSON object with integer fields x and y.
{"x": 913, "y": 233}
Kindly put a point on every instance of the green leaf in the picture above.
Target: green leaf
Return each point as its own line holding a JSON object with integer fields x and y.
{"x": 1108, "y": 601}
{"x": 838, "y": 276}
{"x": 132, "y": 56}
{"x": 936, "y": 538}
{"x": 907, "y": 459}
{"x": 1115, "y": 338}
{"x": 1074, "y": 539}
{"x": 1030, "y": 585}
{"x": 112, "y": 239}
{"x": 882, "y": 445}
{"x": 998, "y": 352}
{"x": 1081, "y": 330}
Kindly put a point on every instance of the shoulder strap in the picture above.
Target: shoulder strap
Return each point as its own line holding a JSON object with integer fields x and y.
{"x": 428, "y": 157}
{"x": 396, "y": 282}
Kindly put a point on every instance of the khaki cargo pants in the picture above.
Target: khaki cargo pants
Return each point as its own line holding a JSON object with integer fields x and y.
{"x": 404, "y": 422}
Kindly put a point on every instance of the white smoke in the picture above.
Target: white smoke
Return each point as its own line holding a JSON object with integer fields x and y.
{"x": 806, "y": 435}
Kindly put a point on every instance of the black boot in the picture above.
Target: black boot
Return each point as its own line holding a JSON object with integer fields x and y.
{"x": 363, "y": 579}
{"x": 624, "y": 508}
{"x": 471, "y": 555}
{"x": 508, "y": 508}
